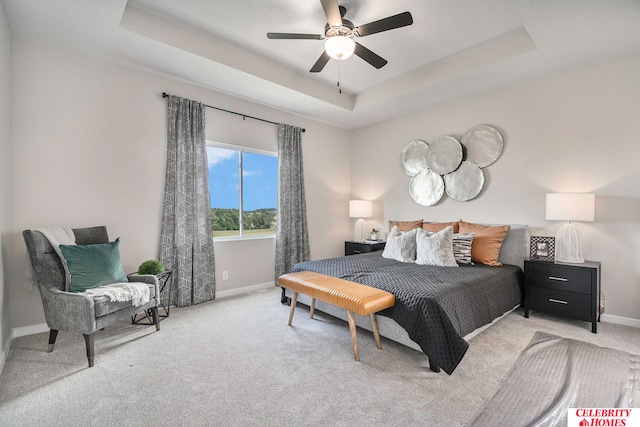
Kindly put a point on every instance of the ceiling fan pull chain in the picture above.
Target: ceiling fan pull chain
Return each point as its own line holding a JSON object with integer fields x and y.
{"x": 339, "y": 76}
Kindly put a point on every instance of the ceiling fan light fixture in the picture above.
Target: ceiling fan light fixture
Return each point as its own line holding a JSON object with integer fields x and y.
{"x": 339, "y": 47}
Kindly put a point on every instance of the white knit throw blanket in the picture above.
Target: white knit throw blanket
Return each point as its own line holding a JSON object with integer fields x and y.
{"x": 136, "y": 292}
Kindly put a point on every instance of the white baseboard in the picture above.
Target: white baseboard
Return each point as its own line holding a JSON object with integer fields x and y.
{"x": 618, "y": 320}
{"x": 245, "y": 289}
{"x": 29, "y": 330}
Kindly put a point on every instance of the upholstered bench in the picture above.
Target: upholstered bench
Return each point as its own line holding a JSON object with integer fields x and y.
{"x": 353, "y": 297}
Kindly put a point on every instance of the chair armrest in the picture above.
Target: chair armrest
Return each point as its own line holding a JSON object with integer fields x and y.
{"x": 68, "y": 311}
{"x": 147, "y": 278}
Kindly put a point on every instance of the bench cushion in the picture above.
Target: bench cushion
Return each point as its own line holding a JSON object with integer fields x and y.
{"x": 351, "y": 296}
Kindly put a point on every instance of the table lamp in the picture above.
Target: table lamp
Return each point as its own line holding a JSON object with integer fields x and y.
{"x": 360, "y": 209}
{"x": 570, "y": 207}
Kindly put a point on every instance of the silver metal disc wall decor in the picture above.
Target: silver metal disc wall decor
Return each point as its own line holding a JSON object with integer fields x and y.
{"x": 426, "y": 188}
{"x": 448, "y": 164}
{"x": 484, "y": 145}
{"x": 414, "y": 157}
{"x": 465, "y": 183}
{"x": 445, "y": 155}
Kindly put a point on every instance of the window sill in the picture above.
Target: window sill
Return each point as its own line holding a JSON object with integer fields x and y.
{"x": 236, "y": 239}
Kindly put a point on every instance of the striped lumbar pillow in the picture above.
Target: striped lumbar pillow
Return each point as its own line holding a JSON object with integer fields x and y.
{"x": 462, "y": 247}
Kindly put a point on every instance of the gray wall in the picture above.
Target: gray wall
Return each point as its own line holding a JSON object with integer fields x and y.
{"x": 575, "y": 131}
{"x": 88, "y": 147}
{"x": 5, "y": 40}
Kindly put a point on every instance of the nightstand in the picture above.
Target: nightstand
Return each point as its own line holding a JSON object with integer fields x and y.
{"x": 352, "y": 247}
{"x": 570, "y": 290}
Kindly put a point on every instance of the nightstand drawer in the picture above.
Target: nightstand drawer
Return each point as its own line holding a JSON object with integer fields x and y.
{"x": 355, "y": 248}
{"x": 561, "y": 303}
{"x": 555, "y": 276}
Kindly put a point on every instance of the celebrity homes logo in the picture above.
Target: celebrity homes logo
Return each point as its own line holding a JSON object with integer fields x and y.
{"x": 603, "y": 417}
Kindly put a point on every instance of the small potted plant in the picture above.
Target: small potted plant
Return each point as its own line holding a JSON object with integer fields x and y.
{"x": 151, "y": 266}
{"x": 374, "y": 234}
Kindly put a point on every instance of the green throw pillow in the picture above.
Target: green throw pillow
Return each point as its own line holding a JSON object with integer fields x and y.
{"x": 93, "y": 265}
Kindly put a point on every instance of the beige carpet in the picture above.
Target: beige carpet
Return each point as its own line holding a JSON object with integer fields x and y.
{"x": 234, "y": 362}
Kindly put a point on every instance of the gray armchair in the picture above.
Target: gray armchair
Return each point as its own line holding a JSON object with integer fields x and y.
{"x": 76, "y": 312}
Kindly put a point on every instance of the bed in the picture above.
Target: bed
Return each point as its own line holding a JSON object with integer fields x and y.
{"x": 436, "y": 307}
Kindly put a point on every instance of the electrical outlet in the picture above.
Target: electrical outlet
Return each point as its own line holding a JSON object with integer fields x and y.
{"x": 225, "y": 275}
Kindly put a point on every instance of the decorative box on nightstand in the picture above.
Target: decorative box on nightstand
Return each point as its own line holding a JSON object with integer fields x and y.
{"x": 570, "y": 290}
{"x": 352, "y": 247}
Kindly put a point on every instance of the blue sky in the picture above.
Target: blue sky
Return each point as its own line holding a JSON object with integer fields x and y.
{"x": 260, "y": 179}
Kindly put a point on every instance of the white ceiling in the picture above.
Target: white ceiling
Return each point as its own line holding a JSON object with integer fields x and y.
{"x": 454, "y": 48}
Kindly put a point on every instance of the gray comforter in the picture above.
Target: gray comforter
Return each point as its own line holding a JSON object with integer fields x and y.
{"x": 437, "y": 306}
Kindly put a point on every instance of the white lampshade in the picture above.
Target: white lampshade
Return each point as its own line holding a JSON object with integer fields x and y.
{"x": 360, "y": 208}
{"x": 339, "y": 47}
{"x": 570, "y": 207}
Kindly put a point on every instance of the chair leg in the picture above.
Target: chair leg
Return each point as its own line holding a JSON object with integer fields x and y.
{"x": 53, "y": 334}
{"x": 156, "y": 317}
{"x": 89, "y": 339}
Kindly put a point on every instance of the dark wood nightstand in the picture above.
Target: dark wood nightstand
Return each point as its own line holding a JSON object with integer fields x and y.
{"x": 352, "y": 247}
{"x": 570, "y": 290}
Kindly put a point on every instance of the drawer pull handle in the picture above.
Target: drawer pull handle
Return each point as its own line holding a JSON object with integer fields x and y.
{"x": 559, "y": 279}
{"x": 355, "y": 251}
{"x": 557, "y": 301}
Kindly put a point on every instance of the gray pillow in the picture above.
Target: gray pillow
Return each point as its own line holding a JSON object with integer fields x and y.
{"x": 401, "y": 246}
{"x": 435, "y": 248}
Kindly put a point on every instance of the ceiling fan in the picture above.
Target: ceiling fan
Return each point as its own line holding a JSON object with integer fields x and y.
{"x": 339, "y": 34}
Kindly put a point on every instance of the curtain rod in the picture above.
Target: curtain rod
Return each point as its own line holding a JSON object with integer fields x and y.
{"x": 244, "y": 116}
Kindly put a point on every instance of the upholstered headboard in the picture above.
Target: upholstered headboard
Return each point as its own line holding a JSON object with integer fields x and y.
{"x": 515, "y": 248}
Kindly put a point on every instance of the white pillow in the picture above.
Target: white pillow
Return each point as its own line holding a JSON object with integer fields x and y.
{"x": 401, "y": 246}
{"x": 435, "y": 248}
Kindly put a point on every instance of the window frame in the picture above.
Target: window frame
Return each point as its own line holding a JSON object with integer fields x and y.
{"x": 241, "y": 150}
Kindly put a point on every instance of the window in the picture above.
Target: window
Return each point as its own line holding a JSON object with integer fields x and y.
{"x": 243, "y": 184}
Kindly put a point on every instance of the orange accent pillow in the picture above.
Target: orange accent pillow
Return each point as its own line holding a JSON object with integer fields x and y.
{"x": 439, "y": 226}
{"x": 405, "y": 225}
{"x": 487, "y": 241}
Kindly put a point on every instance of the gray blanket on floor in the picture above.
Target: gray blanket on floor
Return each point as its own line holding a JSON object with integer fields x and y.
{"x": 554, "y": 374}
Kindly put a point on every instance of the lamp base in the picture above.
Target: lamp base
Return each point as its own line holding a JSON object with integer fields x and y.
{"x": 359, "y": 231}
{"x": 568, "y": 247}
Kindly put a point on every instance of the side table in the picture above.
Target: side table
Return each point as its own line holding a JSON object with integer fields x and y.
{"x": 165, "y": 282}
{"x": 563, "y": 289}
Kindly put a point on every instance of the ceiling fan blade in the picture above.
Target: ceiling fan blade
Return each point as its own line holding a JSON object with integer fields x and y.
{"x": 320, "y": 63}
{"x": 372, "y": 58}
{"x": 294, "y": 36}
{"x": 386, "y": 24}
{"x": 332, "y": 11}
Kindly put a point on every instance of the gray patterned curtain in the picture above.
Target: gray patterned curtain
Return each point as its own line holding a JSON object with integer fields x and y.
{"x": 292, "y": 235}
{"x": 186, "y": 245}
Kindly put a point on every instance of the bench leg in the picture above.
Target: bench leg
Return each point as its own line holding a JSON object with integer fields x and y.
{"x": 294, "y": 300}
{"x": 354, "y": 337}
{"x": 313, "y": 308}
{"x": 374, "y": 326}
